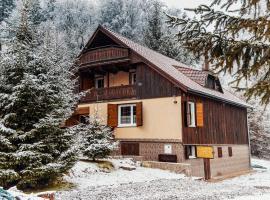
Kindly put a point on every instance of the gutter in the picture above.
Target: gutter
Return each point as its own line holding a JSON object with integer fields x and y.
{"x": 219, "y": 98}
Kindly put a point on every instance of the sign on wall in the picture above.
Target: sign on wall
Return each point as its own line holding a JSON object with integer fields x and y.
{"x": 168, "y": 149}
{"x": 205, "y": 152}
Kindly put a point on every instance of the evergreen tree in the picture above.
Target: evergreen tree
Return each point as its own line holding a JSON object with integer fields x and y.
{"x": 124, "y": 16}
{"x": 233, "y": 39}
{"x": 36, "y": 15}
{"x": 111, "y": 14}
{"x": 6, "y": 7}
{"x": 49, "y": 9}
{"x": 96, "y": 139}
{"x": 36, "y": 95}
{"x": 158, "y": 37}
{"x": 153, "y": 33}
{"x": 259, "y": 130}
{"x": 75, "y": 20}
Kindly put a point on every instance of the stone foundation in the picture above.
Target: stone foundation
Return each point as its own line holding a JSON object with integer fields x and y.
{"x": 239, "y": 161}
{"x": 224, "y": 165}
{"x": 174, "y": 167}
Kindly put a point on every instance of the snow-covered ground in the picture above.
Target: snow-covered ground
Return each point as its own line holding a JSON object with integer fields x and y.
{"x": 85, "y": 174}
{"x": 145, "y": 183}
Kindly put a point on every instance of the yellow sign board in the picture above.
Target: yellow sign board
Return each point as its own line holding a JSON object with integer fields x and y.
{"x": 205, "y": 152}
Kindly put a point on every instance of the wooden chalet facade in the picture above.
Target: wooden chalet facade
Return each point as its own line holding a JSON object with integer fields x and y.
{"x": 161, "y": 109}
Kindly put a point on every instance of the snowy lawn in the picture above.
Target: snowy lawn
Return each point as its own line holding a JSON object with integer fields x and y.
{"x": 87, "y": 174}
{"x": 144, "y": 183}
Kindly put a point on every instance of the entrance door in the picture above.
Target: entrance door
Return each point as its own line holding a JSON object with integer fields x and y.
{"x": 207, "y": 171}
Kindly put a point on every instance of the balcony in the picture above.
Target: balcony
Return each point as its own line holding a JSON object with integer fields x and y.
{"x": 111, "y": 93}
{"x": 103, "y": 55}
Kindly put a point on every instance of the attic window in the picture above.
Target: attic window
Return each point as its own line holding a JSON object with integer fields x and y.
{"x": 211, "y": 82}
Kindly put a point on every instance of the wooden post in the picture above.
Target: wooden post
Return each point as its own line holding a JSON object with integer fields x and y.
{"x": 207, "y": 169}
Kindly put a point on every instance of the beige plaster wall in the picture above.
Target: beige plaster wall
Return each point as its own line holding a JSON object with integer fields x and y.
{"x": 161, "y": 119}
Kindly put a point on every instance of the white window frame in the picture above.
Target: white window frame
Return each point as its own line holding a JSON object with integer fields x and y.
{"x": 192, "y": 152}
{"x": 132, "y": 124}
{"x": 192, "y": 121}
{"x": 96, "y": 81}
{"x": 132, "y": 74}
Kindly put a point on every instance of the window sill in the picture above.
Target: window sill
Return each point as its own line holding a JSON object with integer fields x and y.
{"x": 126, "y": 125}
{"x": 192, "y": 126}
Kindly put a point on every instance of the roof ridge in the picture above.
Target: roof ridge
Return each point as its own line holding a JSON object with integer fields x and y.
{"x": 186, "y": 67}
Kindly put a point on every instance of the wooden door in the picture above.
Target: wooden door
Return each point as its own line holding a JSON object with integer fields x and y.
{"x": 207, "y": 171}
{"x": 129, "y": 148}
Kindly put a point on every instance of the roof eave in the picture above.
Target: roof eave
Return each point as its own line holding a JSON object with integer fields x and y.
{"x": 244, "y": 105}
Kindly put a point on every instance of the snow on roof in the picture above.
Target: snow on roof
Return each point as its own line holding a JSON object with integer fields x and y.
{"x": 167, "y": 66}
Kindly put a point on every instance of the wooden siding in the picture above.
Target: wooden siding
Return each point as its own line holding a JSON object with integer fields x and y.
{"x": 150, "y": 84}
{"x": 223, "y": 123}
{"x": 111, "y": 93}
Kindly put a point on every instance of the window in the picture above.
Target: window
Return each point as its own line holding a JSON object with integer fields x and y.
{"x": 190, "y": 152}
{"x": 99, "y": 82}
{"x": 127, "y": 115}
{"x": 230, "y": 151}
{"x": 219, "y": 152}
{"x": 132, "y": 78}
{"x": 211, "y": 82}
{"x": 191, "y": 114}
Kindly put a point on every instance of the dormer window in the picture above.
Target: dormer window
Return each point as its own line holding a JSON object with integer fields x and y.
{"x": 99, "y": 82}
{"x": 211, "y": 82}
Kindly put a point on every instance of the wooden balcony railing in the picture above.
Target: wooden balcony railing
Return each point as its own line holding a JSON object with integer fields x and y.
{"x": 119, "y": 92}
{"x": 103, "y": 54}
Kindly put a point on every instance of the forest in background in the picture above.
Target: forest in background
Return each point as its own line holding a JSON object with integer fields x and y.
{"x": 143, "y": 21}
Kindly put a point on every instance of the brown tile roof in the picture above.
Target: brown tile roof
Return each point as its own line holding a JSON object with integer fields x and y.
{"x": 174, "y": 70}
{"x": 196, "y": 75}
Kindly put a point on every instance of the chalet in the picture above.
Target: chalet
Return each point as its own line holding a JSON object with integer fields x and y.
{"x": 161, "y": 109}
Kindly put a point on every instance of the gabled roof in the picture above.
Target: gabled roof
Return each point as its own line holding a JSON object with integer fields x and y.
{"x": 169, "y": 68}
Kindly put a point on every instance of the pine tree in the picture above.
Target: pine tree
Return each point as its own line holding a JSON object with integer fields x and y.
{"x": 36, "y": 13}
{"x": 153, "y": 33}
{"x": 96, "y": 140}
{"x": 259, "y": 130}
{"x": 49, "y": 9}
{"x": 124, "y": 16}
{"x": 158, "y": 37}
{"x": 236, "y": 40}
{"x": 111, "y": 14}
{"x": 75, "y": 20}
{"x": 36, "y": 95}
{"x": 6, "y": 7}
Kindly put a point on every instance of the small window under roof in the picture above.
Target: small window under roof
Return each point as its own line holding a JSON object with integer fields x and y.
{"x": 213, "y": 83}
{"x": 101, "y": 40}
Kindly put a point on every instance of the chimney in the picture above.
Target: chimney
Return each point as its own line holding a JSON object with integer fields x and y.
{"x": 206, "y": 62}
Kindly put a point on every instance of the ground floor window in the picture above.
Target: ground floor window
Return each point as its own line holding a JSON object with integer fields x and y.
{"x": 127, "y": 115}
{"x": 191, "y": 152}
